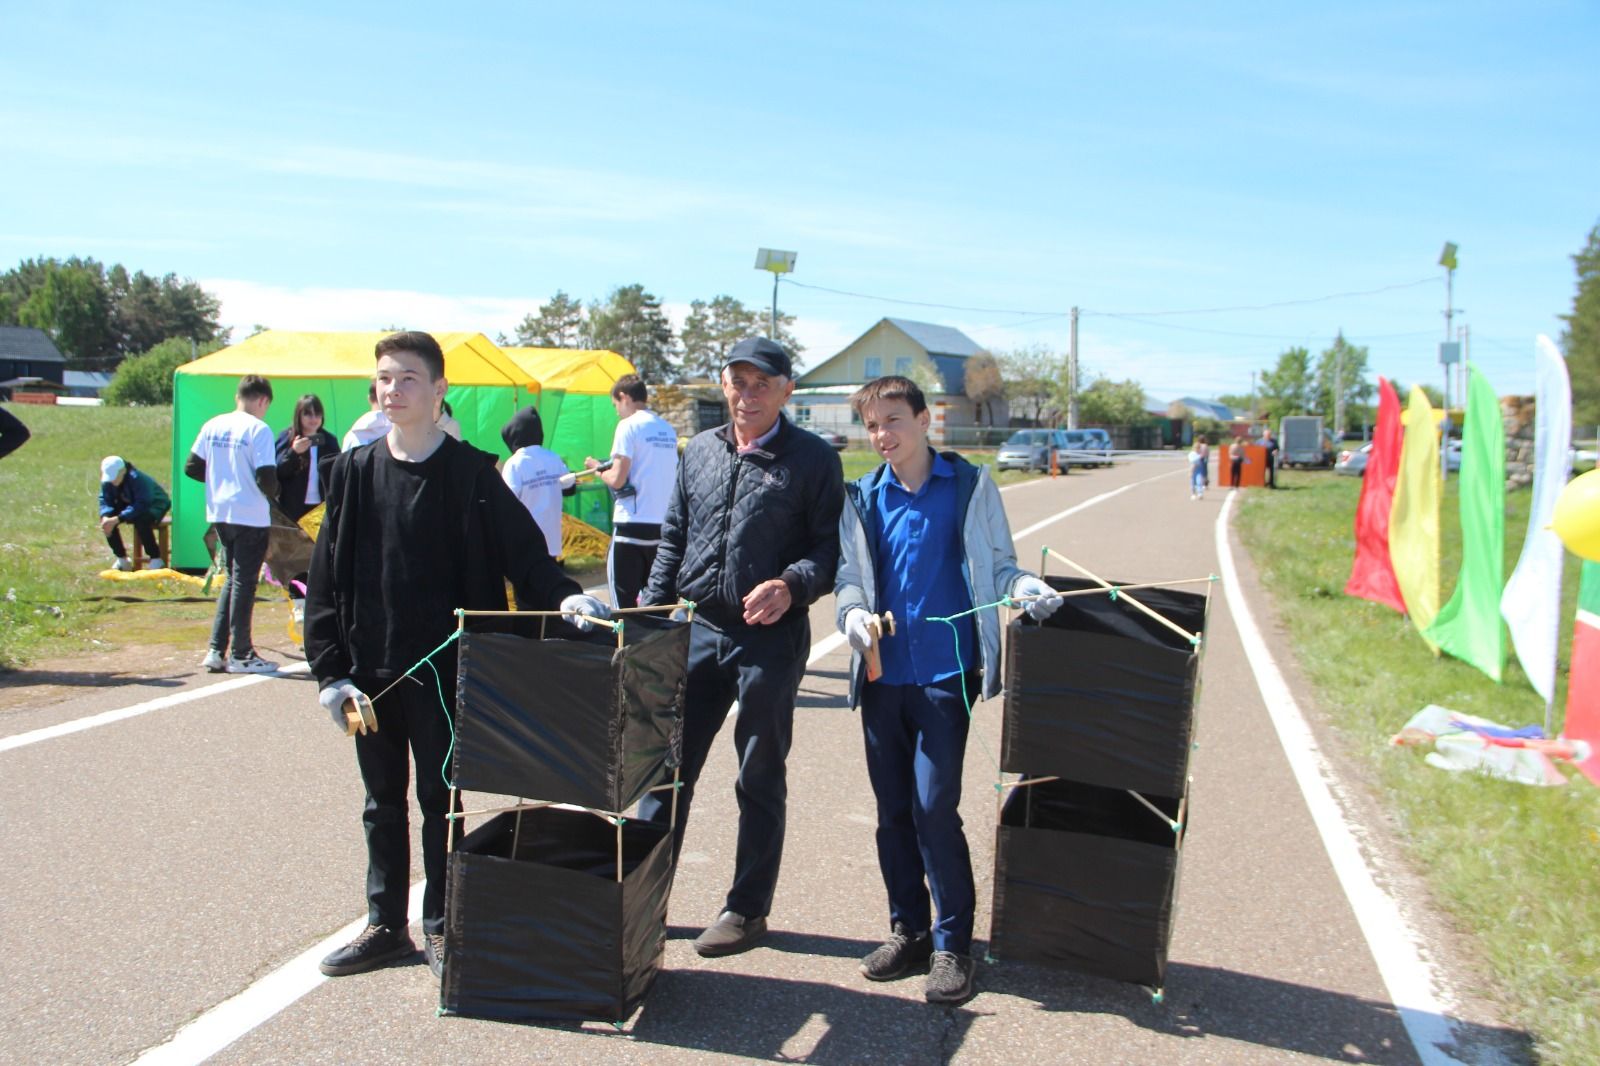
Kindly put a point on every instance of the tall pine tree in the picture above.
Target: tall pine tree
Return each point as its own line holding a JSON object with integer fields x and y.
{"x": 1582, "y": 337}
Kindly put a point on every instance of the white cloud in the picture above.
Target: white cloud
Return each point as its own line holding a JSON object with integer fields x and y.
{"x": 246, "y": 304}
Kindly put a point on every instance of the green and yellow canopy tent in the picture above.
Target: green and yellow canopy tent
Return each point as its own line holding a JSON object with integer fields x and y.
{"x": 486, "y": 389}
{"x": 579, "y": 420}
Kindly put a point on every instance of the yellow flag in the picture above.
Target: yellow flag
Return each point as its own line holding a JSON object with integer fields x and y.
{"x": 1414, "y": 519}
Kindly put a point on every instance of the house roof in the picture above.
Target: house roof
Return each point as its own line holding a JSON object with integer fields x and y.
{"x": 85, "y": 379}
{"x": 1207, "y": 408}
{"x": 937, "y": 340}
{"x": 24, "y": 342}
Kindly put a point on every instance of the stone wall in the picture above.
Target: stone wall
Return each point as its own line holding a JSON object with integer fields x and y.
{"x": 1516, "y": 413}
{"x": 681, "y": 406}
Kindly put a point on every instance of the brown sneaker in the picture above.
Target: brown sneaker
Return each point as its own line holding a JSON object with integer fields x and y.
{"x": 730, "y": 934}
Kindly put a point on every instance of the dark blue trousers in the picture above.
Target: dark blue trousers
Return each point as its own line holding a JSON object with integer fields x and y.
{"x": 761, "y": 667}
{"x": 916, "y": 741}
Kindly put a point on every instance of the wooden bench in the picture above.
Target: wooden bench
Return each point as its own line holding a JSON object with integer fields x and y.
{"x": 163, "y": 542}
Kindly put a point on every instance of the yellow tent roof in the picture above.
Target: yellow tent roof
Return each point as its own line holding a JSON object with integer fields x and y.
{"x": 592, "y": 370}
{"x": 469, "y": 358}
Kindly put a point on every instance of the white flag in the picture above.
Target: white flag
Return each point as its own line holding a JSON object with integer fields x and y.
{"x": 1531, "y": 603}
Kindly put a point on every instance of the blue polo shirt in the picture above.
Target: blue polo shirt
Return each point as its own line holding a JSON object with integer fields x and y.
{"x": 921, "y": 575}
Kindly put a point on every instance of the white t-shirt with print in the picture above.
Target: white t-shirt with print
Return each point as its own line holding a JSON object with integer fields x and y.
{"x": 234, "y": 446}
{"x": 368, "y": 428}
{"x": 651, "y": 445}
{"x": 534, "y": 475}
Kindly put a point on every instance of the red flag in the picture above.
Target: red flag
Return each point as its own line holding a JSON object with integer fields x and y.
{"x": 1372, "y": 574}
{"x": 1583, "y": 678}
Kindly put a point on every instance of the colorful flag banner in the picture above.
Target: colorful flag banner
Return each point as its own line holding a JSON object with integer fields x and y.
{"x": 1414, "y": 519}
{"x": 1583, "y": 679}
{"x": 1372, "y": 574}
{"x": 1531, "y": 603}
{"x": 1468, "y": 626}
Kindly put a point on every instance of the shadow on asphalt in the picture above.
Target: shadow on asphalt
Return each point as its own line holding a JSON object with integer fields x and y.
{"x": 833, "y": 947}
{"x": 1204, "y": 1001}
{"x": 88, "y": 678}
{"x": 777, "y": 1019}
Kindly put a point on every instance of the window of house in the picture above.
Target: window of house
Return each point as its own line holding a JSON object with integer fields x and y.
{"x": 802, "y": 415}
{"x": 874, "y": 367}
{"x": 902, "y": 365}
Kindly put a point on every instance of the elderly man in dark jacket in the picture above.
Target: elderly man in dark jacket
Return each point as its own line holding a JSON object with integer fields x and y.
{"x": 751, "y": 536}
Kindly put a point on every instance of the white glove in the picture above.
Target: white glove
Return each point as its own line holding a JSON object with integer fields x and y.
{"x": 679, "y": 614}
{"x": 332, "y": 699}
{"x": 856, "y": 629}
{"x": 1039, "y": 609}
{"x": 579, "y": 609}
{"x": 567, "y": 480}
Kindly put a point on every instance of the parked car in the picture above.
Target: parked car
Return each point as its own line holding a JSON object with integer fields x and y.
{"x": 838, "y": 440}
{"x": 1028, "y": 449}
{"x": 1085, "y": 447}
{"x": 1353, "y": 463}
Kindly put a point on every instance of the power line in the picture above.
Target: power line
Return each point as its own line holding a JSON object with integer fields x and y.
{"x": 1117, "y": 314}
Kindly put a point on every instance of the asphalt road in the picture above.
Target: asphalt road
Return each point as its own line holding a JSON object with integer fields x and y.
{"x": 164, "y": 863}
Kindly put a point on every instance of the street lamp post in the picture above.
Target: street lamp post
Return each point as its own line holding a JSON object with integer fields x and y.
{"x": 1449, "y": 351}
{"x": 778, "y": 263}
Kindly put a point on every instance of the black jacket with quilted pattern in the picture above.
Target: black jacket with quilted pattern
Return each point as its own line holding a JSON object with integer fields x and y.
{"x": 735, "y": 521}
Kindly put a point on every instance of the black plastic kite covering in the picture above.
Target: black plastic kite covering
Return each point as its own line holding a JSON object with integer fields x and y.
{"x": 1101, "y": 697}
{"x": 585, "y": 723}
{"x": 538, "y": 925}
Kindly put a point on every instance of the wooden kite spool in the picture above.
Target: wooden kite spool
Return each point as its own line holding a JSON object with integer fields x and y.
{"x": 880, "y": 626}
{"x": 359, "y": 717}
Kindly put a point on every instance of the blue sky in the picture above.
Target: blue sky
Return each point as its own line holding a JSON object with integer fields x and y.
{"x": 450, "y": 169}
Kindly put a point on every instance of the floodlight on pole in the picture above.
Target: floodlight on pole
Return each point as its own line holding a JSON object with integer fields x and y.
{"x": 1449, "y": 353}
{"x": 778, "y": 263}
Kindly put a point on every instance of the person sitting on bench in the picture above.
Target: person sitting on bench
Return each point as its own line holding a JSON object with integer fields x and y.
{"x": 130, "y": 495}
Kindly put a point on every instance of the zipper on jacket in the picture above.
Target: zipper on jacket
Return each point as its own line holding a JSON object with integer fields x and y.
{"x": 727, "y": 526}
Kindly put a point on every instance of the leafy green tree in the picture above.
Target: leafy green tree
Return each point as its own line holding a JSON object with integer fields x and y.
{"x": 983, "y": 385}
{"x": 632, "y": 324}
{"x": 1582, "y": 336}
{"x": 1289, "y": 388}
{"x": 559, "y": 323}
{"x": 98, "y": 317}
{"x": 712, "y": 329}
{"x": 146, "y": 380}
{"x": 1031, "y": 377}
{"x": 1112, "y": 403}
{"x": 1342, "y": 382}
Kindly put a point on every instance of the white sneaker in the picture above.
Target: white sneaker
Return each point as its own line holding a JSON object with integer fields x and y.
{"x": 122, "y": 562}
{"x": 214, "y": 661}
{"x": 156, "y": 563}
{"x": 255, "y": 664}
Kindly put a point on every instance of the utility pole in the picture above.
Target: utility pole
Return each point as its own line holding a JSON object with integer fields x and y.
{"x": 1072, "y": 374}
{"x": 1252, "y": 395}
{"x": 1447, "y": 259}
{"x": 1338, "y": 385}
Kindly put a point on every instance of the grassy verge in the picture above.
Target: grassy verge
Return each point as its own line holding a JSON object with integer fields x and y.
{"x": 1516, "y": 864}
{"x": 51, "y": 550}
{"x": 858, "y": 461}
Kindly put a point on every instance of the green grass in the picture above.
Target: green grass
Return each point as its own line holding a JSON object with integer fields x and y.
{"x": 1517, "y": 865}
{"x": 51, "y": 550}
{"x": 858, "y": 461}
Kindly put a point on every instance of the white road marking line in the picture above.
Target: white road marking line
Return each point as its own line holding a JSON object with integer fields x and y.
{"x": 259, "y": 1002}
{"x": 1090, "y": 502}
{"x": 78, "y": 725}
{"x": 1395, "y": 947}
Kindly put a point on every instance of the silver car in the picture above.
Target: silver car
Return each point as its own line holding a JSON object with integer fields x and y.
{"x": 1027, "y": 449}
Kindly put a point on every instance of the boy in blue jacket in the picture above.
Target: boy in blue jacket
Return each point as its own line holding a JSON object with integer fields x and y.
{"x": 923, "y": 536}
{"x": 132, "y": 496}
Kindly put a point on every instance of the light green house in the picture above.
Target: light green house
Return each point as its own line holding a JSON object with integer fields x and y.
{"x": 935, "y": 357}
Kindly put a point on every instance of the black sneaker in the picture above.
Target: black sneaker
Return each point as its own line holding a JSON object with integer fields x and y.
{"x": 950, "y": 978}
{"x": 730, "y": 934}
{"x": 376, "y": 945}
{"x": 899, "y": 954}
{"x": 433, "y": 947}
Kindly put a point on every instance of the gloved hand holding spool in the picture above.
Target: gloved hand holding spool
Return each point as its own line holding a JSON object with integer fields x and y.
{"x": 349, "y": 707}
{"x": 864, "y": 630}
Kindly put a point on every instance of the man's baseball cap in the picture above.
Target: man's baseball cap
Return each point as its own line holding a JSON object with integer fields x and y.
{"x": 111, "y": 467}
{"x": 765, "y": 355}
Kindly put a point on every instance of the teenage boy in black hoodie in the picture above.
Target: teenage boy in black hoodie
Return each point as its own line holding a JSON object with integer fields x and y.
{"x": 417, "y": 524}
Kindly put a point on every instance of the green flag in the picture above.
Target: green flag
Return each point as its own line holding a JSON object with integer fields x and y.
{"x": 1469, "y": 627}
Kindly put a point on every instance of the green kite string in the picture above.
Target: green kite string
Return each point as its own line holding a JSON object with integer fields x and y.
{"x": 961, "y": 670}
{"x": 438, "y": 684}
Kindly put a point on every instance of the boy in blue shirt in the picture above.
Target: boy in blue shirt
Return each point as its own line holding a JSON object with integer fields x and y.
{"x": 923, "y": 536}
